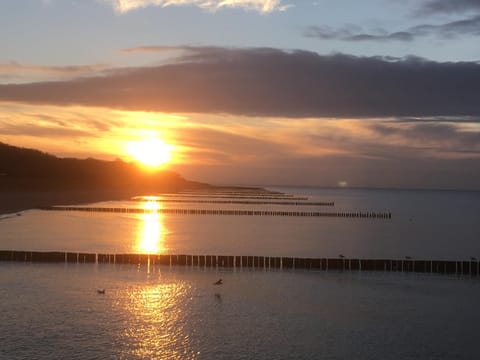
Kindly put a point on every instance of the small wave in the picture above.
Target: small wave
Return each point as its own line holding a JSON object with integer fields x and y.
{"x": 8, "y": 216}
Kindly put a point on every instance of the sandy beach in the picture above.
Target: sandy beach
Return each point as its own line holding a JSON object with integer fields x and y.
{"x": 15, "y": 201}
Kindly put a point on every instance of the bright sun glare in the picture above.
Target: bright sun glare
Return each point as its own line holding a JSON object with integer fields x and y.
{"x": 151, "y": 232}
{"x": 150, "y": 152}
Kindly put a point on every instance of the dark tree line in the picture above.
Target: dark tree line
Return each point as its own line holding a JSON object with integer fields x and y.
{"x": 27, "y": 169}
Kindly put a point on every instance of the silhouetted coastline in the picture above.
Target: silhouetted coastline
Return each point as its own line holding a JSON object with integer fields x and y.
{"x": 32, "y": 179}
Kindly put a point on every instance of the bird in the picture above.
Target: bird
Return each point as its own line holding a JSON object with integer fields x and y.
{"x": 408, "y": 258}
{"x": 218, "y": 282}
{"x": 101, "y": 291}
{"x": 341, "y": 256}
{"x": 473, "y": 258}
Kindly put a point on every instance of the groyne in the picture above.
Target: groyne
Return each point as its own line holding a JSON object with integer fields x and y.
{"x": 465, "y": 267}
{"x": 171, "y": 211}
{"x": 242, "y": 202}
{"x": 251, "y": 197}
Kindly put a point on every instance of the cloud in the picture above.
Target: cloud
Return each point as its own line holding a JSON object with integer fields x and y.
{"x": 48, "y": 123}
{"x": 262, "y": 6}
{"x": 29, "y": 72}
{"x": 178, "y": 53}
{"x": 448, "y": 6}
{"x": 223, "y": 145}
{"x": 41, "y": 131}
{"x": 437, "y": 119}
{"x": 154, "y": 49}
{"x": 442, "y": 138}
{"x": 448, "y": 30}
{"x": 186, "y": 51}
{"x": 354, "y": 33}
{"x": 271, "y": 82}
{"x": 234, "y": 149}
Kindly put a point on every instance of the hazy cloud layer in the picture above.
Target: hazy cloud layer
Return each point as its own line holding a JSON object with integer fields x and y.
{"x": 442, "y": 138}
{"x": 29, "y": 72}
{"x": 470, "y": 26}
{"x": 375, "y": 152}
{"x": 234, "y": 149}
{"x": 263, "y": 6}
{"x": 270, "y": 82}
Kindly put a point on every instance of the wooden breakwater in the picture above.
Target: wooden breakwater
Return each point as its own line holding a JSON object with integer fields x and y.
{"x": 243, "y": 192}
{"x": 341, "y": 214}
{"x": 251, "y": 197}
{"x": 470, "y": 267}
{"x": 242, "y": 202}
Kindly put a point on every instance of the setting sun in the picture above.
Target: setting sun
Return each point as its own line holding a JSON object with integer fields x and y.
{"x": 150, "y": 152}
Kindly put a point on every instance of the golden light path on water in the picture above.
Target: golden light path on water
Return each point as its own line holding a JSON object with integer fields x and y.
{"x": 156, "y": 316}
{"x": 151, "y": 232}
{"x": 156, "y": 311}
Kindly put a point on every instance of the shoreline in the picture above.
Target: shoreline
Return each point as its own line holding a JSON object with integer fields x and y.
{"x": 12, "y": 202}
{"x": 15, "y": 201}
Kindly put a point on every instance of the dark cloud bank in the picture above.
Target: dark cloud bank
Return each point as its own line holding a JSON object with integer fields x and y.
{"x": 272, "y": 82}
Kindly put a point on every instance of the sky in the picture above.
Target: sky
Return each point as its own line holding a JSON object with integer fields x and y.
{"x": 372, "y": 93}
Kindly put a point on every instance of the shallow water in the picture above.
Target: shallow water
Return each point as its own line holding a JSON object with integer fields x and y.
{"x": 424, "y": 225}
{"x": 54, "y": 311}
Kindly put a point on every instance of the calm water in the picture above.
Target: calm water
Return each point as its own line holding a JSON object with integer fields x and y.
{"x": 425, "y": 225}
{"x": 54, "y": 311}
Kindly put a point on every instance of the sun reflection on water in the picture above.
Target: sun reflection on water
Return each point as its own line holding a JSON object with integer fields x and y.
{"x": 157, "y": 316}
{"x": 151, "y": 232}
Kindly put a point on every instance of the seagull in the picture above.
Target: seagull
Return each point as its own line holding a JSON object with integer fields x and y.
{"x": 218, "y": 282}
{"x": 341, "y": 256}
{"x": 101, "y": 291}
{"x": 408, "y": 258}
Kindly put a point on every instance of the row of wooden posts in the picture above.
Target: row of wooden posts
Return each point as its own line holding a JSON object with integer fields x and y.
{"x": 242, "y": 202}
{"x": 239, "y": 193}
{"x": 343, "y": 214}
{"x": 471, "y": 267}
{"x": 251, "y": 197}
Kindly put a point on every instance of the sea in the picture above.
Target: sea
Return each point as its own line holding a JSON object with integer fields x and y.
{"x": 59, "y": 311}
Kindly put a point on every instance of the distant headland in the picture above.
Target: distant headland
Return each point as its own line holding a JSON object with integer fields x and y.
{"x": 30, "y": 179}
